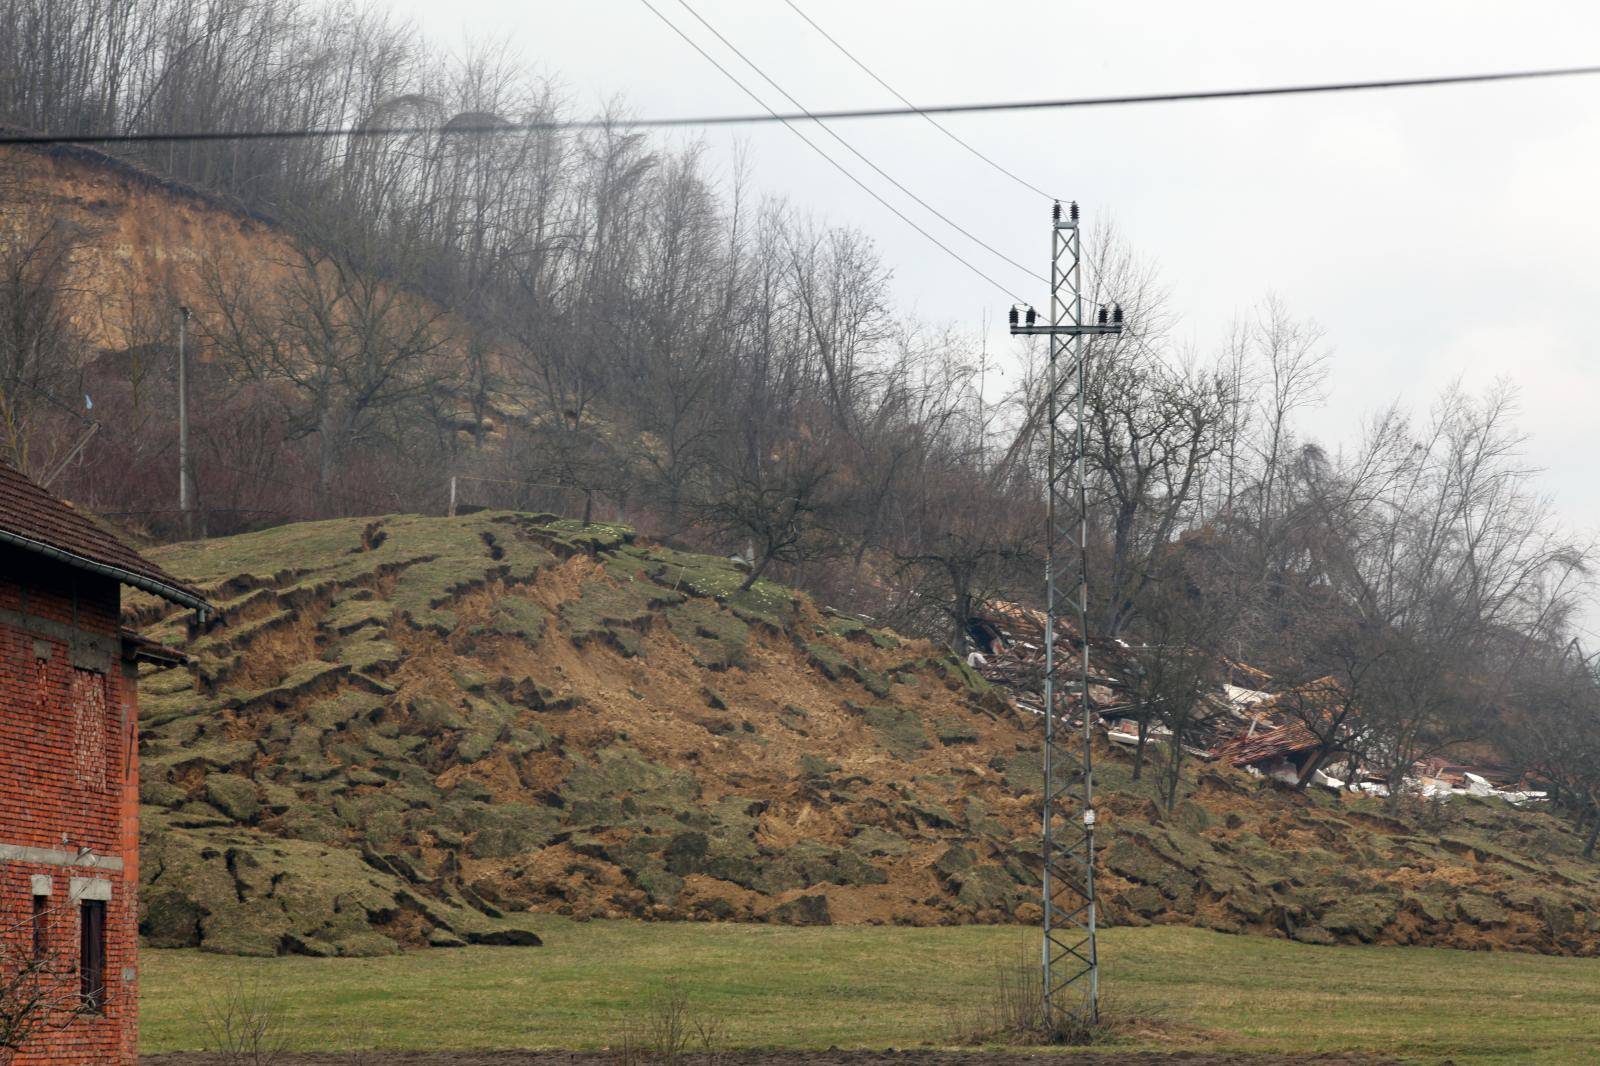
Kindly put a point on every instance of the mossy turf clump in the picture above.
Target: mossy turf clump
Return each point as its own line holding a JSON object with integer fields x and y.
{"x": 854, "y": 629}
{"x": 617, "y": 614}
{"x": 719, "y": 639}
{"x": 519, "y": 618}
{"x": 246, "y": 894}
{"x": 709, "y": 577}
{"x": 233, "y": 795}
{"x": 899, "y": 729}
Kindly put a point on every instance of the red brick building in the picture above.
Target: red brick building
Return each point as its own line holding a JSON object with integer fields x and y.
{"x": 69, "y": 790}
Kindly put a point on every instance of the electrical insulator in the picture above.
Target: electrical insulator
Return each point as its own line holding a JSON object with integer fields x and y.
{"x": 1116, "y": 314}
{"x": 1103, "y": 314}
{"x": 1032, "y": 315}
{"x": 1055, "y": 212}
{"x": 1013, "y": 317}
{"x": 1074, "y": 210}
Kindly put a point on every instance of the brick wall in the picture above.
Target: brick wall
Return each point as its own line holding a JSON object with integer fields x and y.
{"x": 68, "y": 794}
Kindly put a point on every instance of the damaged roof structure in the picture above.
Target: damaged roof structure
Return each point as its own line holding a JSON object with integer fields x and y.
{"x": 1244, "y": 724}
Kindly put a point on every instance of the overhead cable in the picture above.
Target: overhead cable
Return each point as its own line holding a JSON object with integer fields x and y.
{"x": 840, "y": 167}
{"x": 770, "y": 115}
{"x": 853, "y": 150}
{"x": 935, "y": 123}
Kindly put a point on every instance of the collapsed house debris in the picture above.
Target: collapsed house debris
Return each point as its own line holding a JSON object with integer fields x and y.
{"x": 1010, "y": 651}
{"x": 1245, "y": 724}
{"x": 1279, "y": 752}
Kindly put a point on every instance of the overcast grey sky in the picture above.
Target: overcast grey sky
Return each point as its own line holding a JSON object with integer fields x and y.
{"x": 1433, "y": 233}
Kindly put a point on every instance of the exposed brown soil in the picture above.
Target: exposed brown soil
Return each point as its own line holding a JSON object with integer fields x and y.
{"x": 889, "y": 1057}
{"x": 504, "y": 713}
{"x": 142, "y": 237}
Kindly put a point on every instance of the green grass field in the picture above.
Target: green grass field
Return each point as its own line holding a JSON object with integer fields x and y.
{"x": 775, "y": 986}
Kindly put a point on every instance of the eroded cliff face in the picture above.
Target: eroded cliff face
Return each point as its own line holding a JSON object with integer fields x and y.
{"x": 141, "y": 244}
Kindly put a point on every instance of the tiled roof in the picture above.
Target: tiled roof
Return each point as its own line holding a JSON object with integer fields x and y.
{"x": 1285, "y": 740}
{"x": 143, "y": 649}
{"x": 34, "y": 520}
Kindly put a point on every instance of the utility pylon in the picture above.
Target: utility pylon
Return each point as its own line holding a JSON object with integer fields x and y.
{"x": 1068, "y": 950}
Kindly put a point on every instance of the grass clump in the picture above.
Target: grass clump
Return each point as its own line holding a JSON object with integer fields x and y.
{"x": 519, "y": 618}
{"x": 718, "y": 638}
{"x": 899, "y": 729}
{"x": 1012, "y": 1012}
{"x": 616, "y": 615}
{"x": 847, "y": 628}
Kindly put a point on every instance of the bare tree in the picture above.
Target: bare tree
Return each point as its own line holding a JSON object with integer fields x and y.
{"x": 1184, "y": 625}
{"x": 963, "y": 545}
{"x": 41, "y": 351}
{"x": 1415, "y": 559}
{"x": 777, "y": 501}
{"x": 40, "y": 988}
{"x": 341, "y": 347}
{"x": 1153, "y": 430}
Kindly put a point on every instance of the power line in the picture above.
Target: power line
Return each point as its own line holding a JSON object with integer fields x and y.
{"x": 840, "y": 167}
{"x": 468, "y": 128}
{"x": 853, "y": 150}
{"x": 935, "y": 123}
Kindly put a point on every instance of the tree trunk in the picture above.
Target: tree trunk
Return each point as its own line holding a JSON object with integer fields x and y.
{"x": 1174, "y": 773}
{"x": 756, "y": 572}
{"x": 961, "y": 617}
{"x": 1309, "y": 770}
{"x": 1138, "y": 751}
{"x": 1396, "y": 794}
{"x": 330, "y": 444}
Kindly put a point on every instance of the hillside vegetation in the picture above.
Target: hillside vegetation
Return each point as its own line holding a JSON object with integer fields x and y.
{"x": 404, "y": 729}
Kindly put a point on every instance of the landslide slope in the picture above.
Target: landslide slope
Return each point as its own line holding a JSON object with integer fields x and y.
{"x": 406, "y": 728}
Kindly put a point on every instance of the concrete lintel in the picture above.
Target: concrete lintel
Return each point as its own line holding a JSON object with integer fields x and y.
{"x": 53, "y": 857}
{"x": 90, "y": 888}
{"x": 90, "y": 651}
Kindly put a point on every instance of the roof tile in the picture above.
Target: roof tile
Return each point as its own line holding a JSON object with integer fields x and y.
{"x": 30, "y": 514}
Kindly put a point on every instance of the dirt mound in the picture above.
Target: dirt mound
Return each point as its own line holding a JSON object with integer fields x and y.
{"x": 410, "y": 725}
{"x": 504, "y": 712}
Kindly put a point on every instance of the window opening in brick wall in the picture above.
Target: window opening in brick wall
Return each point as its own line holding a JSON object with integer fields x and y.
{"x": 41, "y": 926}
{"x": 92, "y": 955}
{"x": 89, "y": 727}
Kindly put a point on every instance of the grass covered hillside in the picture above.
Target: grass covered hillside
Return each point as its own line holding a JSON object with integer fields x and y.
{"x": 408, "y": 730}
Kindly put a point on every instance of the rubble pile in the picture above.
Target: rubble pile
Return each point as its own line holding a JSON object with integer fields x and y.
{"x": 1242, "y": 727}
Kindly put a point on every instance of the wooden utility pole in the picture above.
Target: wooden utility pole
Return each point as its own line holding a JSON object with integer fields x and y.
{"x": 185, "y": 488}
